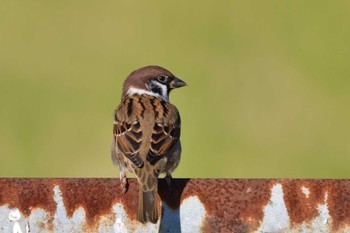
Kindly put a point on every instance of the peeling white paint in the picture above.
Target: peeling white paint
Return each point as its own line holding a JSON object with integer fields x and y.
{"x": 120, "y": 224}
{"x": 14, "y": 215}
{"x": 192, "y": 215}
{"x": 5, "y": 223}
{"x": 276, "y": 218}
{"x": 323, "y": 221}
{"x": 61, "y": 220}
{"x": 37, "y": 220}
{"x": 145, "y": 228}
{"x": 306, "y": 191}
{"x": 320, "y": 224}
{"x": 123, "y": 223}
{"x": 27, "y": 227}
{"x": 17, "y": 228}
{"x": 188, "y": 218}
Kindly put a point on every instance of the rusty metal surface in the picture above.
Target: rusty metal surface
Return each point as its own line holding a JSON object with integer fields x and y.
{"x": 189, "y": 205}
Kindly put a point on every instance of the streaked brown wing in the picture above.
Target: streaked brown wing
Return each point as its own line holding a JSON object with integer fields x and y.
{"x": 166, "y": 133}
{"x": 128, "y": 136}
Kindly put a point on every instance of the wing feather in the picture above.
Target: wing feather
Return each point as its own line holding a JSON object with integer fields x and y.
{"x": 127, "y": 133}
{"x": 166, "y": 133}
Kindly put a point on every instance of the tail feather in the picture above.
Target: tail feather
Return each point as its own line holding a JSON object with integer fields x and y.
{"x": 147, "y": 210}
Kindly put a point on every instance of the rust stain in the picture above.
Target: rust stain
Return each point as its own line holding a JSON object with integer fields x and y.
{"x": 339, "y": 202}
{"x": 27, "y": 194}
{"x": 232, "y": 205}
{"x": 300, "y": 207}
{"x": 97, "y": 197}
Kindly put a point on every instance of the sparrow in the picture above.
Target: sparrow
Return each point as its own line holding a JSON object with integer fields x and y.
{"x": 146, "y": 134}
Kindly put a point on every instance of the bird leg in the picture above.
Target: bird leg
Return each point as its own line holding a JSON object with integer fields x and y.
{"x": 124, "y": 182}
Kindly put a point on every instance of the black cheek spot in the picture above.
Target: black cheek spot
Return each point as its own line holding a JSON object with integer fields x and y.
{"x": 156, "y": 89}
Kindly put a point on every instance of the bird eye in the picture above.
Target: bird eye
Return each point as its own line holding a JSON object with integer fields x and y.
{"x": 162, "y": 78}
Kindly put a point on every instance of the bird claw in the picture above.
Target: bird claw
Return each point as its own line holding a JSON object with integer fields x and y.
{"x": 124, "y": 183}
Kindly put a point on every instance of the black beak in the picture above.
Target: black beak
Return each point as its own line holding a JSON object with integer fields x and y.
{"x": 176, "y": 83}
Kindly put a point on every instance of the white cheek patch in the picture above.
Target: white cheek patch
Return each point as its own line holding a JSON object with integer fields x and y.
{"x": 137, "y": 91}
{"x": 163, "y": 95}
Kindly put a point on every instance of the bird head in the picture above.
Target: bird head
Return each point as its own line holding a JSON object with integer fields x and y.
{"x": 152, "y": 80}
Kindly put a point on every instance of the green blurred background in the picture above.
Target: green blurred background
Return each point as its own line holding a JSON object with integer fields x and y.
{"x": 268, "y": 94}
